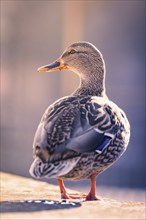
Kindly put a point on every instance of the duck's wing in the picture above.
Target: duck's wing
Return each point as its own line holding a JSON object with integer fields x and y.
{"x": 91, "y": 140}
{"x": 76, "y": 125}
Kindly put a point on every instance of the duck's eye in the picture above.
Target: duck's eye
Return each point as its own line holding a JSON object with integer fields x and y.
{"x": 72, "y": 51}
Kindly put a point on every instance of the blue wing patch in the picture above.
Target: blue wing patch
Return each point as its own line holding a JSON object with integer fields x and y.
{"x": 103, "y": 144}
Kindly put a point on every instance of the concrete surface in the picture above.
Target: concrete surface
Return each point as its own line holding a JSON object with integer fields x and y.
{"x": 26, "y": 199}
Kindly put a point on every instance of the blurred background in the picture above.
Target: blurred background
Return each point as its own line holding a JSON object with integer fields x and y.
{"x": 34, "y": 33}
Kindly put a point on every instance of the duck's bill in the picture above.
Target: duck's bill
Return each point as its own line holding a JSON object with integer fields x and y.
{"x": 57, "y": 65}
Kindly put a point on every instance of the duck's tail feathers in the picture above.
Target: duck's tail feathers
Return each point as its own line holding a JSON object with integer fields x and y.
{"x": 39, "y": 169}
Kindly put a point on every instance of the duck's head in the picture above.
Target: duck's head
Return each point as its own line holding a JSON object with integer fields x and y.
{"x": 82, "y": 58}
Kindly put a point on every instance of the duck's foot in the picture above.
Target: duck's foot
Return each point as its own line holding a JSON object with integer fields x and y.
{"x": 92, "y": 194}
{"x": 90, "y": 197}
{"x": 65, "y": 195}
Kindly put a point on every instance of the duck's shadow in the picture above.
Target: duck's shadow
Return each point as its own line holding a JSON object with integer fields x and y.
{"x": 36, "y": 205}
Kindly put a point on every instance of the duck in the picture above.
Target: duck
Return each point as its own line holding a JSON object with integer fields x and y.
{"x": 82, "y": 134}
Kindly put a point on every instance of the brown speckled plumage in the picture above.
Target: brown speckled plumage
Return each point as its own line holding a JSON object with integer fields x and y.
{"x": 81, "y": 135}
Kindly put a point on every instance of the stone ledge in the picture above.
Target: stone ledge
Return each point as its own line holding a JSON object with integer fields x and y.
{"x": 27, "y": 199}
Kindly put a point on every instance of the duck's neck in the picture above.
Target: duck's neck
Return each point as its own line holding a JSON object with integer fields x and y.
{"x": 92, "y": 86}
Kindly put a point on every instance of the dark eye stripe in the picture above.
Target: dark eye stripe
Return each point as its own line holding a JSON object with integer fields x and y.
{"x": 72, "y": 51}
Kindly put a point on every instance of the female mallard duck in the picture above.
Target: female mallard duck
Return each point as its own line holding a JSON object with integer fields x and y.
{"x": 80, "y": 135}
